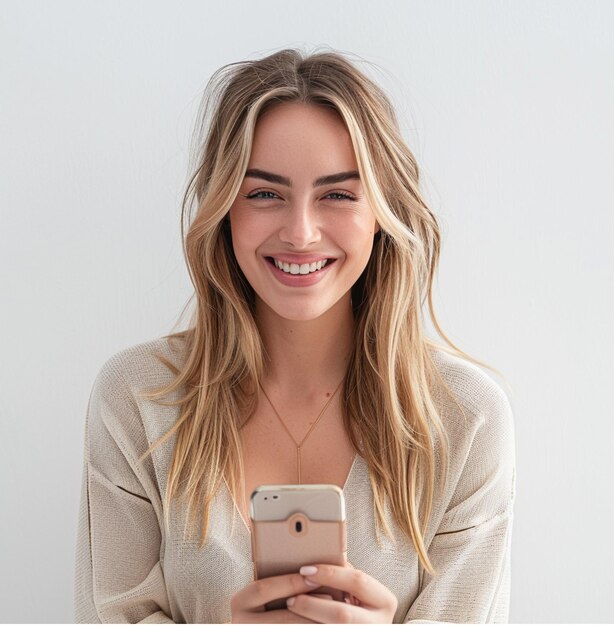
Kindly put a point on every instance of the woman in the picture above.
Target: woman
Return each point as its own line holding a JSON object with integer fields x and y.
{"x": 311, "y": 252}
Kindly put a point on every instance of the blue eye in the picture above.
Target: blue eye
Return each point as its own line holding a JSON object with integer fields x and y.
{"x": 343, "y": 196}
{"x": 255, "y": 195}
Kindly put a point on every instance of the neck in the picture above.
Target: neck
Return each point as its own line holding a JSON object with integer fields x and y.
{"x": 306, "y": 359}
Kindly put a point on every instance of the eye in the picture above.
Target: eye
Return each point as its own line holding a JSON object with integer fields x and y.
{"x": 257, "y": 193}
{"x": 342, "y": 195}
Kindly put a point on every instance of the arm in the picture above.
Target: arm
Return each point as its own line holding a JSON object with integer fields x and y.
{"x": 118, "y": 576}
{"x": 471, "y": 548}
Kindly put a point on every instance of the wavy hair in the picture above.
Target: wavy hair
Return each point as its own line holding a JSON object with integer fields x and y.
{"x": 389, "y": 412}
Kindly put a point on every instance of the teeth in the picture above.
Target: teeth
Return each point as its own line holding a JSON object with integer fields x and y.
{"x": 295, "y": 268}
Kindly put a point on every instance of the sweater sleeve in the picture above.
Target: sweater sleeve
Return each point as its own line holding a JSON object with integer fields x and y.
{"x": 471, "y": 547}
{"x": 118, "y": 574}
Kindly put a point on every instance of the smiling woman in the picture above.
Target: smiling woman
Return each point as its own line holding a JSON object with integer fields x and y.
{"x": 312, "y": 251}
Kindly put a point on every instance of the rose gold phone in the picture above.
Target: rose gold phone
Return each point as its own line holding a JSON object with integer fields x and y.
{"x": 295, "y": 525}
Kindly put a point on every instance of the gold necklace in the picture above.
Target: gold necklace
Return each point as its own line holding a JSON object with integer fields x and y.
{"x": 298, "y": 446}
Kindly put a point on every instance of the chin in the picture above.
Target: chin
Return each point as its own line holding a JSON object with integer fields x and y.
{"x": 296, "y": 312}
{"x": 299, "y": 316}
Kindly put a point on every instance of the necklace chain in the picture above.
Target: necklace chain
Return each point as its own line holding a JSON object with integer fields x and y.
{"x": 299, "y": 446}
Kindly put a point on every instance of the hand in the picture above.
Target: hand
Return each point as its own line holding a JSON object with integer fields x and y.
{"x": 367, "y": 600}
{"x": 248, "y": 604}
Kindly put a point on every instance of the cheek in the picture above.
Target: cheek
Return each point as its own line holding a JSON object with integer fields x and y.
{"x": 244, "y": 233}
{"x": 239, "y": 241}
{"x": 360, "y": 239}
{"x": 362, "y": 258}
{"x": 250, "y": 225}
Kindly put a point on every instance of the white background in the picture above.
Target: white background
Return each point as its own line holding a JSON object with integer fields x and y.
{"x": 508, "y": 107}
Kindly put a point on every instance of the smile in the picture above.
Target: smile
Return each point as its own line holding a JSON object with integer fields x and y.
{"x": 295, "y": 275}
{"x": 296, "y": 268}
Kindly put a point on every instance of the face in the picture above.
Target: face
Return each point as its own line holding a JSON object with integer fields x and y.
{"x": 287, "y": 213}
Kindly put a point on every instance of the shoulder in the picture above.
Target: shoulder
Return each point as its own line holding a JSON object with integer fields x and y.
{"x": 485, "y": 405}
{"x": 478, "y": 392}
{"x": 139, "y": 364}
{"x": 115, "y": 404}
{"x": 482, "y": 445}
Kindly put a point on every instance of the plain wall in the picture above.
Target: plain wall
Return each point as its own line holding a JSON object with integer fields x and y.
{"x": 508, "y": 108}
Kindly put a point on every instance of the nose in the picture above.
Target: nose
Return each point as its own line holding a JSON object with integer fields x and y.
{"x": 300, "y": 226}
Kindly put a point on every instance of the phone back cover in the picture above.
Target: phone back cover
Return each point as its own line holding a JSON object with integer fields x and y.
{"x": 278, "y": 549}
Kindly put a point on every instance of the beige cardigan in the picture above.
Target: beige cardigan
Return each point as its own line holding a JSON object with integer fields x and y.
{"x": 129, "y": 570}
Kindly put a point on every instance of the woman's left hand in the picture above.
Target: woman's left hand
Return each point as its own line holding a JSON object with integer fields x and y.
{"x": 367, "y": 600}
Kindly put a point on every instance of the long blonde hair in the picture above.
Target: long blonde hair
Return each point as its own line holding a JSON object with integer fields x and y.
{"x": 387, "y": 391}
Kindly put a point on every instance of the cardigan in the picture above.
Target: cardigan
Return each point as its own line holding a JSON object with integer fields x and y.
{"x": 129, "y": 570}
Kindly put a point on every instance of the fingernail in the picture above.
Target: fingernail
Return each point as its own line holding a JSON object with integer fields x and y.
{"x": 307, "y": 570}
{"x": 309, "y": 583}
{"x": 290, "y": 601}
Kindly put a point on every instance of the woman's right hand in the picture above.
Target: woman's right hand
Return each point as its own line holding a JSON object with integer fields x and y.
{"x": 248, "y": 604}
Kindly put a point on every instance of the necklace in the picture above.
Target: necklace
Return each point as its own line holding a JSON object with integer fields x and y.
{"x": 299, "y": 446}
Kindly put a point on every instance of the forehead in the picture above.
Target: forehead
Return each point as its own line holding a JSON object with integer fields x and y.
{"x": 302, "y": 136}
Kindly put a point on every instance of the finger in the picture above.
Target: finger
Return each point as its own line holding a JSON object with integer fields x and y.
{"x": 363, "y": 587}
{"x": 278, "y": 616}
{"x": 259, "y": 592}
{"x": 283, "y": 616}
{"x": 325, "y": 596}
{"x": 326, "y": 611}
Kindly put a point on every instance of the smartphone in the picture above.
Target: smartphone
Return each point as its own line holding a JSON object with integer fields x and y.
{"x": 296, "y": 525}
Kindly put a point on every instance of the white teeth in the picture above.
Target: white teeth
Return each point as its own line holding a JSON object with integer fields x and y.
{"x": 295, "y": 268}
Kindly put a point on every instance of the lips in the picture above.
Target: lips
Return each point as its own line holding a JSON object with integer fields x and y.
{"x": 298, "y": 280}
{"x": 271, "y": 260}
{"x": 299, "y": 259}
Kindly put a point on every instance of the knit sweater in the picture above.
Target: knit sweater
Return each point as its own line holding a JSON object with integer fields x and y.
{"x": 129, "y": 570}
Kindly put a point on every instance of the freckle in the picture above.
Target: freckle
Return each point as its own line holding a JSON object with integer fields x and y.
{"x": 327, "y": 394}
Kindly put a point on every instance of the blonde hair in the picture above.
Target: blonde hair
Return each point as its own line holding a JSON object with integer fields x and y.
{"x": 387, "y": 391}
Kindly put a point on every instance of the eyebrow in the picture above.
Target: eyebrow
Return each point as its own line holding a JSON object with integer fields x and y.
{"x": 331, "y": 179}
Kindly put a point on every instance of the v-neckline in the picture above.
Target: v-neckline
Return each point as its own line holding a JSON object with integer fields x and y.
{"x": 238, "y": 511}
